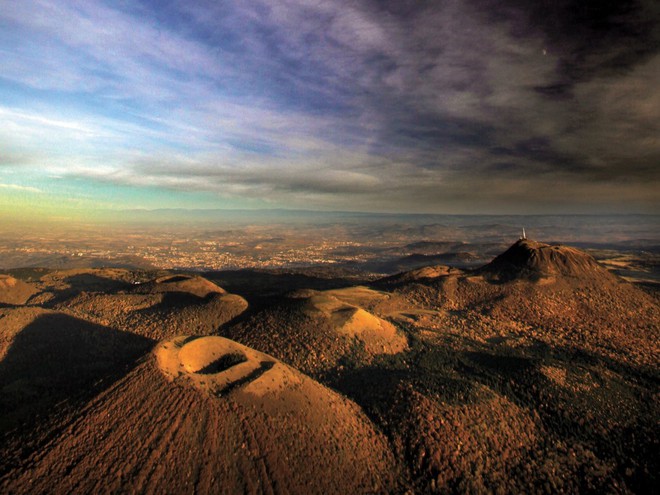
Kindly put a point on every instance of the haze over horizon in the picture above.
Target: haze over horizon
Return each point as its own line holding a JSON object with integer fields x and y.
{"x": 449, "y": 107}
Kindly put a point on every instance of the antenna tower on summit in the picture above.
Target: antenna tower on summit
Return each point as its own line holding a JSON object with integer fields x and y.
{"x": 523, "y": 237}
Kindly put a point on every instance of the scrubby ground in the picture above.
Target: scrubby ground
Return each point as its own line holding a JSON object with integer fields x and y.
{"x": 537, "y": 373}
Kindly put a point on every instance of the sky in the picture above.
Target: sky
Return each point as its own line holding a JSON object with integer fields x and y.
{"x": 472, "y": 106}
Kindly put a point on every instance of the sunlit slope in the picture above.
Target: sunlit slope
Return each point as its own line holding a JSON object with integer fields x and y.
{"x": 314, "y": 330}
{"x": 14, "y": 291}
{"x": 160, "y": 308}
{"x": 556, "y": 294}
{"x": 209, "y": 415}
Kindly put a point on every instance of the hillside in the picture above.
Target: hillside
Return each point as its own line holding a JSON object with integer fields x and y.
{"x": 535, "y": 373}
{"x": 14, "y": 291}
{"x": 534, "y": 260}
{"x": 160, "y": 308}
{"x": 152, "y": 431}
{"x": 316, "y": 330}
{"x": 543, "y": 327}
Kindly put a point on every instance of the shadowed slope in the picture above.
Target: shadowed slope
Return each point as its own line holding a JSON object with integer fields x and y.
{"x": 48, "y": 357}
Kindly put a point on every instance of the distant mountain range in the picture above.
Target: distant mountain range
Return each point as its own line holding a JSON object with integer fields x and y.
{"x": 585, "y": 228}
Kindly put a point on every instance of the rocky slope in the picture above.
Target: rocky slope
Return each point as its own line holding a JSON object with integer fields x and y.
{"x": 534, "y": 260}
{"x": 536, "y": 373}
{"x": 316, "y": 330}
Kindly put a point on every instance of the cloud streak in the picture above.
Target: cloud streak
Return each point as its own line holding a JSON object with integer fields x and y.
{"x": 16, "y": 187}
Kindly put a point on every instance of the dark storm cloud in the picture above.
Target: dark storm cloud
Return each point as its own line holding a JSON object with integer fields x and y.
{"x": 600, "y": 49}
{"x": 596, "y": 37}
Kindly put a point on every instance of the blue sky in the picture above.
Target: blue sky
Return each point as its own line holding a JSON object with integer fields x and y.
{"x": 449, "y": 107}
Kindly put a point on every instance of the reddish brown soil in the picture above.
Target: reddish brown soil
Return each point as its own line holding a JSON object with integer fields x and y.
{"x": 535, "y": 374}
{"x": 159, "y": 315}
{"x": 15, "y": 292}
{"x": 315, "y": 331}
{"x": 145, "y": 434}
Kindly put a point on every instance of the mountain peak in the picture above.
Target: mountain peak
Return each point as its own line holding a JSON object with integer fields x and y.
{"x": 530, "y": 259}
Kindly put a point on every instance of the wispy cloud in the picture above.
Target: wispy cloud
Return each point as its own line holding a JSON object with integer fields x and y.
{"x": 398, "y": 105}
{"x": 16, "y": 187}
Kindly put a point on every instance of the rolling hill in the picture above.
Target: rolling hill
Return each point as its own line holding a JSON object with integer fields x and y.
{"x": 535, "y": 373}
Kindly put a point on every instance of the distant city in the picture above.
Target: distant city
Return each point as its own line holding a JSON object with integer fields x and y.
{"x": 378, "y": 243}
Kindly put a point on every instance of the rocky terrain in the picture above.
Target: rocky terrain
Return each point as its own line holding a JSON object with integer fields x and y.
{"x": 535, "y": 373}
{"x": 316, "y": 330}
